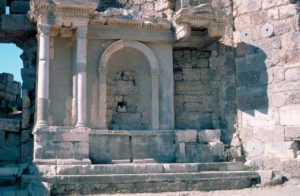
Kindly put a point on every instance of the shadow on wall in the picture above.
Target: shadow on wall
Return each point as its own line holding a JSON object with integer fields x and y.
{"x": 243, "y": 84}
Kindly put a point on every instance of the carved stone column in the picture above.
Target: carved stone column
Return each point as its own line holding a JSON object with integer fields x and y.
{"x": 155, "y": 99}
{"x": 43, "y": 76}
{"x": 102, "y": 97}
{"x": 81, "y": 76}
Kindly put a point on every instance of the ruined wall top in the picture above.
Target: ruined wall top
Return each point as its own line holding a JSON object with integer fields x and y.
{"x": 180, "y": 15}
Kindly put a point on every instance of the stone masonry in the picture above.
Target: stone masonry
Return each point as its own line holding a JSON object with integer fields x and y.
{"x": 150, "y": 83}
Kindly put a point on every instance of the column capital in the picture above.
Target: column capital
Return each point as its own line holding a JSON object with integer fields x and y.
{"x": 82, "y": 32}
{"x": 44, "y": 29}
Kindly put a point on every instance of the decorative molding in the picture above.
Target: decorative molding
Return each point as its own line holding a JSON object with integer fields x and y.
{"x": 121, "y": 44}
{"x": 204, "y": 16}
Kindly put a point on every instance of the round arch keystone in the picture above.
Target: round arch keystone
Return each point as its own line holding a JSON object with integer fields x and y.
{"x": 154, "y": 68}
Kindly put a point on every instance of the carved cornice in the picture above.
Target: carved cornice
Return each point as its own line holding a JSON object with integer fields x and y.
{"x": 204, "y": 16}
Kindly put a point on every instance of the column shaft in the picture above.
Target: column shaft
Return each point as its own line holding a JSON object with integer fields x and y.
{"x": 81, "y": 76}
{"x": 43, "y": 76}
{"x": 155, "y": 100}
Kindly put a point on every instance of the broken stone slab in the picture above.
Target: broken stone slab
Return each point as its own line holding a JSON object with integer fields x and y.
{"x": 10, "y": 125}
{"x": 209, "y": 135}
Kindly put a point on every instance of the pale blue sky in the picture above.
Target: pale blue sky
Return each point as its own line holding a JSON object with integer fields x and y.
{"x": 10, "y": 61}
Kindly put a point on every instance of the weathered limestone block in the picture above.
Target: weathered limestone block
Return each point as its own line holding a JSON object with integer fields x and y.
{"x": 269, "y": 134}
{"x": 292, "y": 133}
{"x": 186, "y": 136}
{"x": 64, "y": 150}
{"x": 44, "y": 150}
{"x": 281, "y": 149}
{"x": 207, "y": 136}
{"x": 10, "y": 125}
{"x": 81, "y": 150}
{"x": 254, "y": 148}
{"x": 204, "y": 152}
{"x": 246, "y": 6}
{"x": 290, "y": 115}
{"x": 19, "y": 7}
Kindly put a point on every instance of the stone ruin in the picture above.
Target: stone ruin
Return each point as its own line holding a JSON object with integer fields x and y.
{"x": 149, "y": 95}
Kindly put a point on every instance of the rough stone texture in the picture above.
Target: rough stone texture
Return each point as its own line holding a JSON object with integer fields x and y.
{"x": 194, "y": 90}
{"x": 267, "y": 69}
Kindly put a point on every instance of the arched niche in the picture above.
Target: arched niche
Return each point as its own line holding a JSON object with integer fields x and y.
{"x": 103, "y": 69}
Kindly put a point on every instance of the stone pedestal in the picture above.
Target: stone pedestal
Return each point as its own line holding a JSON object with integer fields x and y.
{"x": 61, "y": 146}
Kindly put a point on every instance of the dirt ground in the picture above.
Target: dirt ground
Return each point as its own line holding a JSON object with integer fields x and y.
{"x": 289, "y": 188}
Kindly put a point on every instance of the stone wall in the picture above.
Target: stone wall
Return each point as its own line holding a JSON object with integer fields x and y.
{"x": 268, "y": 81}
{"x": 147, "y": 7}
{"x": 15, "y": 132}
{"x": 123, "y": 102}
{"x": 196, "y": 106}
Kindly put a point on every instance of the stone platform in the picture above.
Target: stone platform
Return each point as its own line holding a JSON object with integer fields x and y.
{"x": 136, "y": 178}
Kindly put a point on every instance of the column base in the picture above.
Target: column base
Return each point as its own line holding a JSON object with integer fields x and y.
{"x": 61, "y": 145}
{"x": 80, "y": 125}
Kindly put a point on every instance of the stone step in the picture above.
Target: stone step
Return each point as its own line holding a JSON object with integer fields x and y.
{"x": 134, "y": 168}
{"x": 137, "y": 183}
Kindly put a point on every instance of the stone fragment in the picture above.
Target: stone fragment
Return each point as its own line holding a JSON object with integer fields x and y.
{"x": 208, "y": 135}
